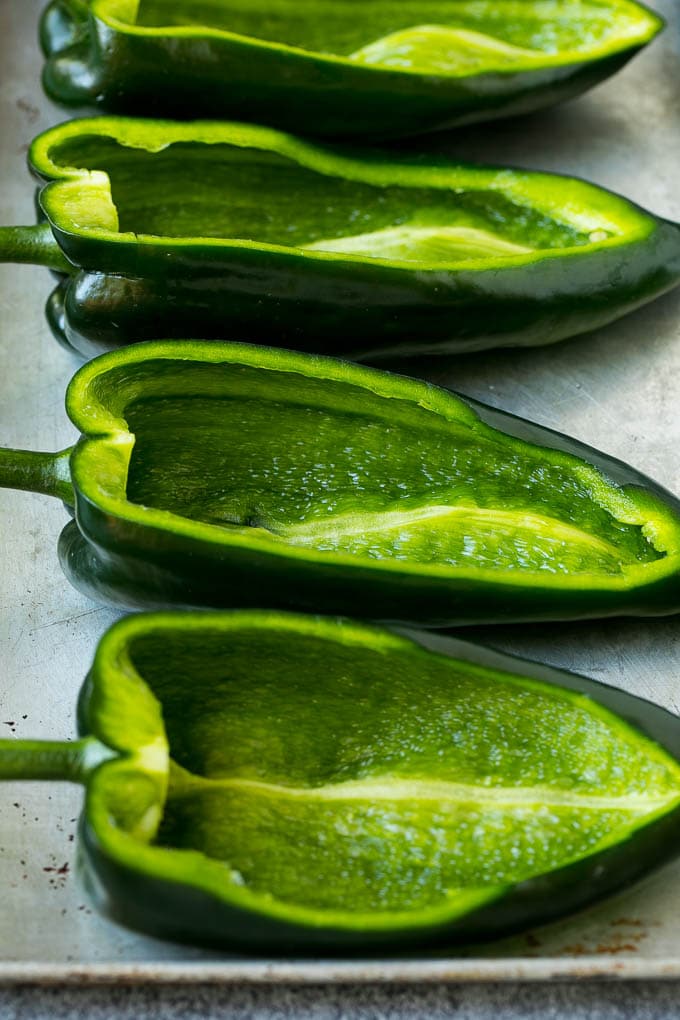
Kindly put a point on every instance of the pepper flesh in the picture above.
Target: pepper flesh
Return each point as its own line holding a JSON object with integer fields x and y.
{"x": 285, "y": 241}
{"x": 264, "y": 779}
{"x": 219, "y": 475}
{"x": 337, "y": 68}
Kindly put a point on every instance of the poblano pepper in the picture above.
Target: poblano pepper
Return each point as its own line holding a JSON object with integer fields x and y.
{"x": 238, "y": 232}
{"x": 259, "y": 779}
{"x": 373, "y": 68}
{"x": 230, "y": 475}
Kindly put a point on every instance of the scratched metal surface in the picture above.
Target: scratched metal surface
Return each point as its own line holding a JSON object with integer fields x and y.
{"x": 617, "y": 389}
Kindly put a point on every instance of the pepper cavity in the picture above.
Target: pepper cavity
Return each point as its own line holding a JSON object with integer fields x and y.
{"x": 378, "y": 480}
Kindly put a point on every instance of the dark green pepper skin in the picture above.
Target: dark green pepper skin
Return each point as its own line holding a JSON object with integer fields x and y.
{"x": 562, "y": 275}
{"x": 124, "y": 752}
{"x": 129, "y": 551}
{"x": 385, "y": 314}
{"x": 222, "y": 75}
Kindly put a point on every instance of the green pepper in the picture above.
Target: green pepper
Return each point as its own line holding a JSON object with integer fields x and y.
{"x": 262, "y": 779}
{"x": 310, "y": 247}
{"x": 373, "y": 68}
{"x": 230, "y": 475}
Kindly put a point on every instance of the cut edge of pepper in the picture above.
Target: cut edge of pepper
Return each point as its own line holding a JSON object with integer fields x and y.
{"x": 651, "y": 24}
{"x": 602, "y": 210}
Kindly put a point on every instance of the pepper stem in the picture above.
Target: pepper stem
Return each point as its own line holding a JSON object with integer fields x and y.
{"x": 68, "y": 761}
{"x": 35, "y": 245}
{"x": 46, "y": 473}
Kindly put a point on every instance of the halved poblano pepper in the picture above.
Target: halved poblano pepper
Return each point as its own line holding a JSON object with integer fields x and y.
{"x": 375, "y": 67}
{"x": 230, "y": 475}
{"x": 260, "y": 779}
{"x": 239, "y": 232}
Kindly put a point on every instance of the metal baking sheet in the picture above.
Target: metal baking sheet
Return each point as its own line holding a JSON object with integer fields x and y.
{"x": 618, "y": 389}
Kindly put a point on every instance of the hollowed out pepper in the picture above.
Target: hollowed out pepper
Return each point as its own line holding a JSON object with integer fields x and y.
{"x": 223, "y": 475}
{"x": 232, "y": 231}
{"x": 313, "y": 784}
{"x": 337, "y": 68}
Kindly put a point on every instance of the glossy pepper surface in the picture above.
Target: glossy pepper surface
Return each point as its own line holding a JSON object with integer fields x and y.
{"x": 333, "y": 67}
{"x": 261, "y": 779}
{"x": 239, "y": 232}
{"x": 223, "y": 475}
